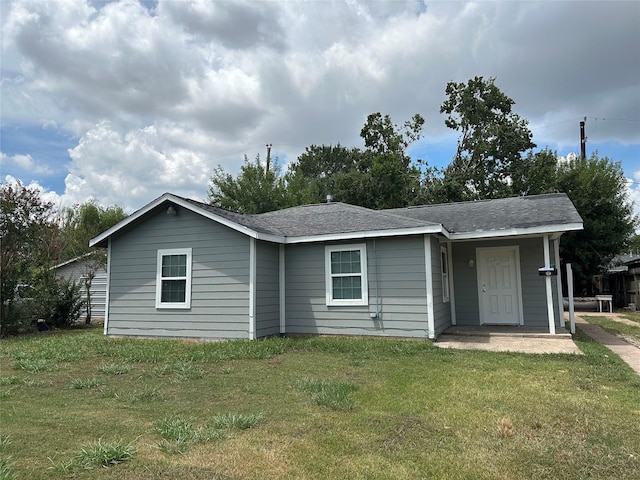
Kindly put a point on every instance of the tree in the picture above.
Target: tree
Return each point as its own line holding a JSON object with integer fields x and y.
{"x": 381, "y": 176}
{"x": 80, "y": 224}
{"x": 255, "y": 190}
{"x": 395, "y": 179}
{"x": 29, "y": 244}
{"x": 323, "y": 170}
{"x": 596, "y": 186}
{"x": 492, "y": 138}
{"x": 535, "y": 174}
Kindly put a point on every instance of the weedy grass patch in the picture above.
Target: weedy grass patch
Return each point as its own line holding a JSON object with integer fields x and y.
{"x": 104, "y": 454}
{"x": 332, "y": 394}
{"x": 617, "y": 328}
{"x": 329, "y": 407}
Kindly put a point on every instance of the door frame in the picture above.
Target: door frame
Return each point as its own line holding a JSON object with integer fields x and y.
{"x": 516, "y": 251}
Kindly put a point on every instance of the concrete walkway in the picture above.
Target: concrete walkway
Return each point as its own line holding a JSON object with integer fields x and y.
{"x": 627, "y": 352}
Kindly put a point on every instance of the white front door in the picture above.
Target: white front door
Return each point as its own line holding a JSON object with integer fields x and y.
{"x": 499, "y": 290}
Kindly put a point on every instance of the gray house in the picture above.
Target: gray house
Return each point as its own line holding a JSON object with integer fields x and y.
{"x": 78, "y": 270}
{"x": 181, "y": 268}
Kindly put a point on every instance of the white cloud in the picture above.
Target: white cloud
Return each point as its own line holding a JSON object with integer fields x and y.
{"x": 45, "y": 195}
{"x": 25, "y": 163}
{"x": 156, "y": 99}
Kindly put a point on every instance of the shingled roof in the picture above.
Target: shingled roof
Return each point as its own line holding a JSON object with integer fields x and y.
{"x": 553, "y": 213}
{"x": 498, "y": 215}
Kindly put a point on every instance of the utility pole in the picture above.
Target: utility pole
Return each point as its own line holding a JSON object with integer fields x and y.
{"x": 583, "y": 140}
{"x": 268, "y": 155}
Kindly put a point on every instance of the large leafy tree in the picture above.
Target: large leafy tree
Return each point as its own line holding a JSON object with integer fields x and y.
{"x": 596, "y": 186}
{"x": 492, "y": 138}
{"x": 395, "y": 178}
{"x": 255, "y": 190}
{"x": 329, "y": 170}
{"x": 380, "y": 176}
{"x": 29, "y": 242}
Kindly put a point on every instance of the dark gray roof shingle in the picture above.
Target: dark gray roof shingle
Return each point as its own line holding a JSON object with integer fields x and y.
{"x": 465, "y": 217}
{"x": 335, "y": 218}
{"x": 499, "y": 214}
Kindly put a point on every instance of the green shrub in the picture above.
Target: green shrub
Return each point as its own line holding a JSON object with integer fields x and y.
{"x": 63, "y": 300}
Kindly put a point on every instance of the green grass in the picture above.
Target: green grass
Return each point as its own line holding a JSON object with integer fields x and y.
{"x": 617, "y": 328}
{"x": 312, "y": 408}
{"x": 102, "y": 454}
{"x": 335, "y": 394}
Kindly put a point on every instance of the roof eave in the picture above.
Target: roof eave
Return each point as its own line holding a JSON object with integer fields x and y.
{"x": 431, "y": 229}
{"x": 101, "y": 239}
{"x": 517, "y": 232}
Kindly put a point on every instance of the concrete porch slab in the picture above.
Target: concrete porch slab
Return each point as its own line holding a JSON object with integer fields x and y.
{"x": 508, "y": 339}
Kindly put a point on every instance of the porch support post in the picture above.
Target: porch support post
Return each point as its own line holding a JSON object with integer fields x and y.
{"x": 252, "y": 288}
{"x": 431, "y": 328}
{"x": 106, "y": 300}
{"x": 556, "y": 252}
{"x": 547, "y": 281}
{"x": 452, "y": 296}
{"x": 283, "y": 328}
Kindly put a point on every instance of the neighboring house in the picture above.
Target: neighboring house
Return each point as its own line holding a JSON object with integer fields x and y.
{"x": 77, "y": 269}
{"x": 181, "y": 268}
{"x": 622, "y": 281}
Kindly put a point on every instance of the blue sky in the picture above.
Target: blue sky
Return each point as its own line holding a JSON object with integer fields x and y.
{"x": 122, "y": 101}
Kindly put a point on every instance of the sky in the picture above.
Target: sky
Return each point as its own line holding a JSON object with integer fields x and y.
{"x": 121, "y": 101}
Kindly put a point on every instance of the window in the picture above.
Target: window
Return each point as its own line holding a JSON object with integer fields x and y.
{"x": 346, "y": 275}
{"x": 444, "y": 267}
{"x": 173, "y": 278}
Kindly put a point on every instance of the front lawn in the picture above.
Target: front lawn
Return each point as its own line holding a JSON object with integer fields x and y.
{"x": 77, "y": 405}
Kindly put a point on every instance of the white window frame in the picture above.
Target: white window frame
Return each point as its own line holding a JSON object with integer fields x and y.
{"x": 444, "y": 270}
{"x": 159, "y": 278}
{"x": 329, "y": 276}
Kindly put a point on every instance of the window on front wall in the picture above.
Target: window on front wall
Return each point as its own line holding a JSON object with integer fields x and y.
{"x": 346, "y": 275}
{"x": 173, "y": 278}
{"x": 444, "y": 267}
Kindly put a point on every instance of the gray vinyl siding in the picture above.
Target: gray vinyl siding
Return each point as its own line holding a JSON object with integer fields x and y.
{"x": 220, "y": 279}
{"x": 267, "y": 289}
{"x": 534, "y": 301}
{"x": 76, "y": 271}
{"x": 441, "y": 310}
{"x": 395, "y": 266}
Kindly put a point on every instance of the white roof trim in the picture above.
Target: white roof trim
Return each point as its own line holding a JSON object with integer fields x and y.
{"x": 189, "y": 206}
{"x": 75, "y": 259}
{"x": 368, "y": 234}
{"x": 512, "y": 232}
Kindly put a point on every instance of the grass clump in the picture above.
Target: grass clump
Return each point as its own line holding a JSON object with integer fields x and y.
{"x": 179, "y": 371}
{"x": 115, "y": 368}
{"x": 80, "y": 384}
{"x": 234, "y": 421}
{"x": 12, "y": 380}
{"x": 334, "y": 395}
{"x": 153, "y": 394}
{"x": 179, "y": 434}
{"x": 33, "y": 365}
{"x": 100, "y": 454}
{"x": 6, "y": 469}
